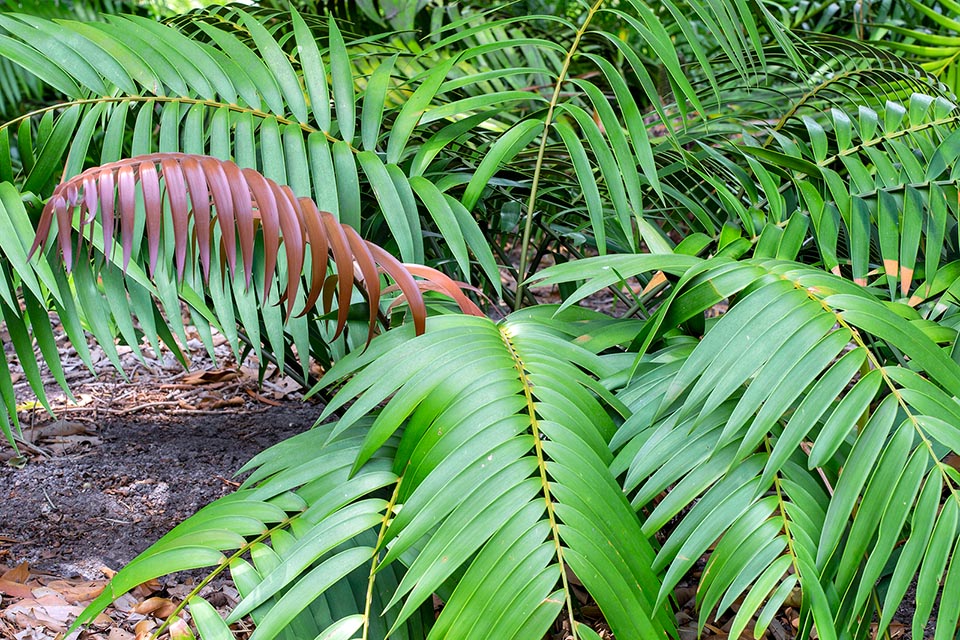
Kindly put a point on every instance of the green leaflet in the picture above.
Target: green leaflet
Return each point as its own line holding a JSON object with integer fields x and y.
{"x": 341, "y": 72}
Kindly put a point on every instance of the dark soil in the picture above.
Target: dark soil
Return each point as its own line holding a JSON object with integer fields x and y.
{"x": 74, "y": 514}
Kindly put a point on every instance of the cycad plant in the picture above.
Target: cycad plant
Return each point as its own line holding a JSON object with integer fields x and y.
{"x": 778, "y": 211}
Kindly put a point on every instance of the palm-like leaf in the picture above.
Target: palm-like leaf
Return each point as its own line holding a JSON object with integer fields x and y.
{"x": 880, "y": 180}
{"x": 302, "y": 534}
{"x": 203, "y": 193}
{"x": 263, "y": 97}
{"x": 257, "y": 114}
{"x": 21, "y": 90}
{"x": 236, "y": 87}
{"x": 782, "y": 108}
{"x": 928, "y": 33}
{"x": 189, "y": 215}
{"x": 811, "y": 420}
{"x": 510, "y": 421}
{"x": 255, "y": 88}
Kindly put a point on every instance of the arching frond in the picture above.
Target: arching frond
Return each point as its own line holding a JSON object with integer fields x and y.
{"x": 876, "y": 186}
{"x": 202, "y": 192}
{"x": 190, "y": 217}
{"x": 930, "y": 35}
{"x": 510, "y": 421}
{"x": 812, "y": 420}
{"x": 796, "y": 442}
{"x": 299, "y": 554}
{"x": 247, "y": 100}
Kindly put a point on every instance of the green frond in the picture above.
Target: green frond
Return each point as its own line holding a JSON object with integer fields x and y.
{"x": 493, "y": 414}
{"x": 929, "y": 38}
{"x": 510, "y": 422}
{"x": 812, "y": 420}
{"x": 339, "y": 119}
{"x": 236, "y": 99}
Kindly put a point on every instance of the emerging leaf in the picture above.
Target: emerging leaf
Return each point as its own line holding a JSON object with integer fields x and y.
{"x": 192, "y": 196}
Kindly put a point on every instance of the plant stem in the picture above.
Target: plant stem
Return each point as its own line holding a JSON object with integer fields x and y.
{"x": 213, "y": 104}
{"x": 531, "y": 203}
{"x": 224, "y": 564}
{"x": 542, "y": 465}
{"x": 388, "y": 515}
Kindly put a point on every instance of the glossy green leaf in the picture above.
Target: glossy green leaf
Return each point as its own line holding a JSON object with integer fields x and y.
{"x": 374, "y": 101}
{"x": 341, "y": 72}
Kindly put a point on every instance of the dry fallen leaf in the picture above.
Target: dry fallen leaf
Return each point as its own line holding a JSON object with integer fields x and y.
{"x": 210, "y": 377}
{"x": 220, "y": 403}
{"x": 144, "y": 628}
{"x": 282, "y": 388}
{"x": 62, "y": 445}
{"x": 77, "y": 592}
{"x": 259, "y": 398}
{"x": 125, "y": 603}
{"x": 20, "y": 573}
{"x": 659, "y": 278}
{"x": 147, "y": 589}
{"x": 102, "y": 621}
{"x": 157, "y": 606}
{"x": 49, "y": 610}
{"x": 31, "y": 633}
{"x": 15, "y": 589}
{"x": 57, "y": 429}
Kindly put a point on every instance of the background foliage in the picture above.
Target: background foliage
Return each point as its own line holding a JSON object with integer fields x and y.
{"x": 769, "y": 189}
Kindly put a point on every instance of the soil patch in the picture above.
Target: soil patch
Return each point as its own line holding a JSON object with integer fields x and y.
{"x": 117, "y": 469}
{"x": 75, "y": 514}
{"x": 111, "y": 477}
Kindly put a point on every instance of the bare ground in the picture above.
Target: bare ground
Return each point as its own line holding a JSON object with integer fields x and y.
{"x": 116, "y": 470}
{"x": 134, "y": 479}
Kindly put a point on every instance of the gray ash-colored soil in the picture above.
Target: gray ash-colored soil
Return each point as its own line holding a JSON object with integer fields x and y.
{"x": 101, "y": 505}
